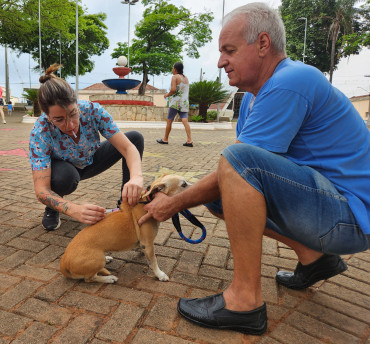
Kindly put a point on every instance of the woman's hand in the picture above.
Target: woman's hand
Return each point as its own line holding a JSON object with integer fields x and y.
{"x": 87, "y": 213}
{"x": 132, "y": 190}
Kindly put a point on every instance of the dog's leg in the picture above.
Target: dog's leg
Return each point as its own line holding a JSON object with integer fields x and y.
{"x": 102, "y": 279}
{"x": 108, "y": 259}
{"x": 152, "y": 259}
{"x": 104, "y": 272}
{"x": 146, "y": 235}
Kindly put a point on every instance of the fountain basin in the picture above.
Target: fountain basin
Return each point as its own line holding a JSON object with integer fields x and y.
{"x": 121, "y": 71}
{"x": 122, "y": 100}
{"x": 121, "y": 85}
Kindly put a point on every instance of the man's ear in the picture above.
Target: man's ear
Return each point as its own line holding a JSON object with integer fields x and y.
{"x": 264, "y": 43}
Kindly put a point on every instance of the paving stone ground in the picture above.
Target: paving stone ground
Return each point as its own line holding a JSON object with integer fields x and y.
{"x": 39, "y": 305}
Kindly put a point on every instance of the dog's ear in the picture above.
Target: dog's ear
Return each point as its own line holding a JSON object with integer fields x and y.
{"x": 154, "y": 188}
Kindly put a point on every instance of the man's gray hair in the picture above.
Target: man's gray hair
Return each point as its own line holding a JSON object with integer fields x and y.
{"x": 260, "y": 18}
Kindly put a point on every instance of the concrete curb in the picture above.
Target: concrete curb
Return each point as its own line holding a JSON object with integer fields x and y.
{"x": 157, "y": 125}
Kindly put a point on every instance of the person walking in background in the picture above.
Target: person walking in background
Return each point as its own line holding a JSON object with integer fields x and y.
{"x": 178, "y": 103}
{"x": 1, "y": 106}
{"x": 10, "y": 108}
{"x": 65, "y": 148}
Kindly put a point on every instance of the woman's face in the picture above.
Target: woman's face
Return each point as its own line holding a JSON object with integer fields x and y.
{"x": 66, "y": 119}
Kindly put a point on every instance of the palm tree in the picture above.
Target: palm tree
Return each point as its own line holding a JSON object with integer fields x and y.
{"x": 204, "y": 93}
{"x": 31, "y": 94}
{"x": 344, "y": 15}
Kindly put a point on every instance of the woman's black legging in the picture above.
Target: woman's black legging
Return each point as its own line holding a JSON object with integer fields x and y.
{"x": 65, "y": 176}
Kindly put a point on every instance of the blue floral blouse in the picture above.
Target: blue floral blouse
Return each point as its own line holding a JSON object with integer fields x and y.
{"x": 48, "y": 142}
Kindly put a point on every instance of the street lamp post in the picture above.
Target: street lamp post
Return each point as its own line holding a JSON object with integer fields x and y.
{"x": 305, "y": 35}
{"x": 129, "y": 3}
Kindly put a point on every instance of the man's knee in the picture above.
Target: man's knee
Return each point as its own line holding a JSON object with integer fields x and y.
{"x": 225, "y": 169}
{"x": 247, "y": 155}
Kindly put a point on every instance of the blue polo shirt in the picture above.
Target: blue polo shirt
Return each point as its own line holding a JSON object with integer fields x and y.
{"x": 300, "y": 115}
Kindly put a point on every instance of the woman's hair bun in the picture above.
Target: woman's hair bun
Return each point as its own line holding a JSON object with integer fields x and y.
{"x": 49, "y": 73}
{"x": 44, "y": 78}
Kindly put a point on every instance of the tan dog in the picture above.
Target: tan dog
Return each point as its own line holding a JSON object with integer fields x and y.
{"x": 84, "y": 257}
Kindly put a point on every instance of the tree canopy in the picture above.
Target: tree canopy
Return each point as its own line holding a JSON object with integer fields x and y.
{"x": 19, "y": 29}
{"x": 354, "y": 42}
{"x": 328, "y": 22}
{"x": 164, "y": 33}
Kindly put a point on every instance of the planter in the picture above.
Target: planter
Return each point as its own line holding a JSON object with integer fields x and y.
{"x": 29, "y": 119}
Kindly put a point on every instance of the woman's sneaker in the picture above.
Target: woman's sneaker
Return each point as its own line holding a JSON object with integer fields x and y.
{"x": 51, "y": 220}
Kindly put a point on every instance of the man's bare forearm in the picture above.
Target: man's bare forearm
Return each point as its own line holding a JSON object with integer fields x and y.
{"x": 204, "y": 191}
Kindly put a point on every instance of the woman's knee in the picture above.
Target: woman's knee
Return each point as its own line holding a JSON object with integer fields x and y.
{"x": 64, "y": 177}
{"x": 137, "y": 140}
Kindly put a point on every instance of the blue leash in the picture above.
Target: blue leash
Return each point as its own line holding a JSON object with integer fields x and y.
{"x": 191, "y": 218}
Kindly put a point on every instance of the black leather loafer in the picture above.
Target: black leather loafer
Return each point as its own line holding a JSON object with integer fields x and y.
{"x": 162, "y": 142}
{"x": 210, "y": 312}
{"x": 305, "y": 276}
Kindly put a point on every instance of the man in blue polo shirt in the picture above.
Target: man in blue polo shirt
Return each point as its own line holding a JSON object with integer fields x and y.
{"x": 299, "y": 173}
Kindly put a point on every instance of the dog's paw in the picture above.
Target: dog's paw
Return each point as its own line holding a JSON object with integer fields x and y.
{"x": 113, "y": 279}
{"x": 162, "y": 276}
{"x": 108, "y": 259}
{"x": 103, "y": 279}
{"x": 110, "y": 279}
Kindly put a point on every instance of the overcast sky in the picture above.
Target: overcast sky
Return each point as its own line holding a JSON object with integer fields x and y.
{"x": 349, "y": 78}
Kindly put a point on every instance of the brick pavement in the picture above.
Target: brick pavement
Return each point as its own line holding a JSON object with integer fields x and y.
{"x": 39, "y": 305}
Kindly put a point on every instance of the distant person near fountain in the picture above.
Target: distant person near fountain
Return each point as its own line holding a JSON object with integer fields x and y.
{"x": 178, "y": 103}
{"x": 65, "y": 148}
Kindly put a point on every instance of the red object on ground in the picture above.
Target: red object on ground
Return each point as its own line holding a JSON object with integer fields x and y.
{"x": 15, "y": 152}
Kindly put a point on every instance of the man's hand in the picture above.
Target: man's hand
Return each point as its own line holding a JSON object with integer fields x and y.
{"x": 161, "y": 208}
{"x": 87, "y": 213}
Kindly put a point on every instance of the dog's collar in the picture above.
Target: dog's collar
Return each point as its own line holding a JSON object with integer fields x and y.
{"x": 146, "y": 199}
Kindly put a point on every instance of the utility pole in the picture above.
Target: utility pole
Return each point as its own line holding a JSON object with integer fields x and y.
{"x": 7, "y": 89}
{"x": 219, "y": 75}
{"x": 40, "y": 37}
{"x": 77, "y": 49}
